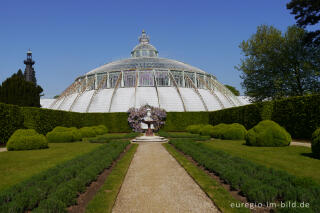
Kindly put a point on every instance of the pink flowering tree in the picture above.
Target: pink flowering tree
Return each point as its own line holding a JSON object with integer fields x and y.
{"x": 136, "y": 116}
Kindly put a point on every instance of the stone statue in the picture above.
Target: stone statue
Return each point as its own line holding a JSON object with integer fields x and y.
{"x": 148, "y": 121}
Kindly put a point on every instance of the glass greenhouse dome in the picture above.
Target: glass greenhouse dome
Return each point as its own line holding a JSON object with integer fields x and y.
{"x": 143, "y": 79}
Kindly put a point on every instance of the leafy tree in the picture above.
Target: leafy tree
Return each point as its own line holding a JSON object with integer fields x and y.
{"x": 56, "y": 96}
{"x": 233, "y": 90}
{"x": 307, "y": 12}
{"x": 277, "y": 65}
{"x": 16, "y": 90}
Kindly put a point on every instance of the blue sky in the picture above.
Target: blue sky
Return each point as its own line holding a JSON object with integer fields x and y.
{"x": 69, "y": 38}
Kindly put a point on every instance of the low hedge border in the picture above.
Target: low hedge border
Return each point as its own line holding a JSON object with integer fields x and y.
{"x": 104, "y": 200}
{"x": 106, "y": 138}
{"x": 217, "y": 193}
{"x": 57, "y": 188}
{"x": 258, "y": 183}
{"x": 298, "y": 115}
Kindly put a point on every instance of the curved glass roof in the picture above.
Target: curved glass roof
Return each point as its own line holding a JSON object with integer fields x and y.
{"x": 144, "y": 57}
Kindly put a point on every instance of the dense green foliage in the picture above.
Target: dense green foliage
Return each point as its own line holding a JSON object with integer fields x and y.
{"x": 64, "y": 134}
{"x": 196, "y": 137}
{"x": 315, "y": 144}
{"x": 233, "y": 131}
{"x": 257, "y": 182}
{"x": 100, "y": 129}
{"x": 104, "y": 200}
{"x": 57, "y": 188}
{"x": 195, "y": 128}
{"x": 87, "y": 132}
{"x": 206, "y": 130}
{"x": 26, "y": 139}
{"x": 307, "y": 13}
{"x": 10, "y": 121}
{"x": 299, "y": 115}
{"x": 233, "y": 90}
{"x": 268, "y": 133}
{"x": 106, "y": 138}
{"x": 277, "y": 65}
{"x": 16, "y": 90}
{"x": 45, "y": 120}
{"x": 178, "y": 121}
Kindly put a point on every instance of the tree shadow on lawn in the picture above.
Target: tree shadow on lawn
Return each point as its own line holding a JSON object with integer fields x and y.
{"x": 310, "y": 155}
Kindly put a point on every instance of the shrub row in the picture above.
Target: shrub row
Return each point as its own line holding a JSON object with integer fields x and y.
{"x": 268, "y": 133}
{"x": 257, "y": 182}
{"x": 45, "y": 120}
{"x": 26, "y": 139}
{"x": 223, "y": 131}
{"x": 300, "y": 116}
{"x": 196, "y": 137}
{"x": 57, "y": 188}
{"x": 106, "y": 138}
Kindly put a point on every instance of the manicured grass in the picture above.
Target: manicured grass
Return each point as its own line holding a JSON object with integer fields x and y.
{"x": 220, "y": 196}
{"x": 16, "y": 166}
{"x": 106, "y": 197}
{"x": 295, "y": 160}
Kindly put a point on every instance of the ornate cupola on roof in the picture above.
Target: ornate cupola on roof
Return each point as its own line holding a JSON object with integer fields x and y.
{"x": 144, "y": 49}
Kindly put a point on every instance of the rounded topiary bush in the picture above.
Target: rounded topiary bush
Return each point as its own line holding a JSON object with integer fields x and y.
{"x": 234, "y": 131}
{"x": 63, "y": 134}
{"x": 218, "y": 130}
{"x": 194, "y": 129}
{"x": 315, "y": 144}
{"x": 207, "y": 130}
{"x": 268, "y": 133}
{"x": 100, "y": 129}
{"x": 26, "y": 139}
{"x": 87, "y": 132}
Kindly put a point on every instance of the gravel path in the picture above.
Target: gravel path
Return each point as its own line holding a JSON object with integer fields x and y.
{"x": 294, "y": 143}
{"x": 155, "y": 182}
{"x": 3, "y": 149}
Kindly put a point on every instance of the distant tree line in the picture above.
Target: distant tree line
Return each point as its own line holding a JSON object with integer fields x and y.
{"x": 16, "y": 90}
{"x": 276, "y": 64}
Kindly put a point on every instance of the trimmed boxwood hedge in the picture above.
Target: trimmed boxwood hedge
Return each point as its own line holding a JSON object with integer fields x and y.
{"x": 64, "y": 134}
{"x": 45, "y": 120}
{"x": 299, "y": 115}
{"x": 26, "y": 139}
{"x": 268, "y": 133}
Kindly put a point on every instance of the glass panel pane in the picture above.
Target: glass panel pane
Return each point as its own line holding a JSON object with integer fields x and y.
{"x": 146, "y": 78}
{"x": 162, "y": 78}
{"x": 113, "y": 77}
{"x": 177, "y": 75}
{"x": 129, "y": 79}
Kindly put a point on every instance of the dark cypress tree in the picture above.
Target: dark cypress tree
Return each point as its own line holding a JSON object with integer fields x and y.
{"x": 16, "y": 90}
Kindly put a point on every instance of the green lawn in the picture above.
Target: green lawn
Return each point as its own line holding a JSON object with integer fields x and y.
{"x": 16, "y": 166}
{"x": 293, "y": 159}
